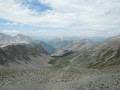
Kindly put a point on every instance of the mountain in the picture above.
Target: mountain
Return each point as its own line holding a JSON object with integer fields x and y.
{"x": 75, "y": 46}
{"x": 58, "y": 42}
{"x": 88, "y": 54}
{"x": 98, "y": 39}
{"x": 4, "y": 39}
{"x": 23, "y": 40}
{"x": 23, "y": 56}
{"x": 7, "y": 39}
{"x": 47, "y": 47}
{"x": 89, "y": 66}
{"x": 104, "y": 54}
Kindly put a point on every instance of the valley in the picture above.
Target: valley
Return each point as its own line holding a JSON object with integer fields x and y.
{"x": 59, "y": 44}
{"x": 80, "y": 65}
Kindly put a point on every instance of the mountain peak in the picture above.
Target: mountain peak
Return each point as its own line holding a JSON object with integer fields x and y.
{"x": 21, "y": 35}
{"x": 2, "y": 34}
{"x": 4, "y": 37}
{"x": 117, "y": 37}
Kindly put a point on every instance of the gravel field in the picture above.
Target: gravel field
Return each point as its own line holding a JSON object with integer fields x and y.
{"x": 59, "y": 79}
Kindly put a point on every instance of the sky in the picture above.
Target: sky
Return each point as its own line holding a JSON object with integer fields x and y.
{"x": 60, "y": 18}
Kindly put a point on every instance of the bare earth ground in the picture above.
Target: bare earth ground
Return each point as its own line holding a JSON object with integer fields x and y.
{"x": 59, "y": 79}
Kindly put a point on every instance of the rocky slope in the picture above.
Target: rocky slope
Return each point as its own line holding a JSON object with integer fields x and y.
{"x": 90, "y": 67}
{"x": 92, "y": 55}
{"x": 64, "y": 79}
{"x": 104, "y": 54}
{"x": 75, "y": 46}
{"x": 24, "y": 56}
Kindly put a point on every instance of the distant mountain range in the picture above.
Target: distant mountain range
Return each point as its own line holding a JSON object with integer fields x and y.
{"x": 7, "y": 39}
{"x": 58, "y": 42}
{"x": 86, "y": 53}
{"x": 23, "y": 40}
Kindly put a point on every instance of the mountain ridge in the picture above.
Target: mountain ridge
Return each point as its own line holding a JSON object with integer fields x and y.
{"x": 24, "y": 56}
{"x": 92, "y": 55}
{"x": 6, "y": 40}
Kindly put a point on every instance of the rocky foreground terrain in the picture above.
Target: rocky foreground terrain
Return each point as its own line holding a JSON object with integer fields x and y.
{"x": 90, "y": 66}
{"x": 63, "y": 79}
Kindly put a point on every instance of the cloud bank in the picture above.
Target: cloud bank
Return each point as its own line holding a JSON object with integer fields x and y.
{"x": 96, "y": 15}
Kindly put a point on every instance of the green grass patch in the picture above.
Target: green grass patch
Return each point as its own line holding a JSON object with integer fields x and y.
{"x": 61, "y": 61}
{"x": 101, "y": 65}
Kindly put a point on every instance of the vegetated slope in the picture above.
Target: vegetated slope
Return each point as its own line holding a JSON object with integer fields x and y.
{"x": 23, "y": 40}
{"x": 103, "y": 54}
{"x": 24, "y": 56}
{"x": 92, "y": 55}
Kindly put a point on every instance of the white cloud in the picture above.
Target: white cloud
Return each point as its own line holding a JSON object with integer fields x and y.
{"x": 11, "y": 32}
{"x": 71, "y": 14}
{"x": 14, "y": 23}
{"x": 9, "y": 24}
{"x": 64, "y": 33}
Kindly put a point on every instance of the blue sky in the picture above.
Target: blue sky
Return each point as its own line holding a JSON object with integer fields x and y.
{"x": 60, "y": 18}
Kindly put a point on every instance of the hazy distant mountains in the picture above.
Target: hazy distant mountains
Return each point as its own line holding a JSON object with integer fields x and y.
{"x": 23, "y": 40}
{"x": 58, "y": 42}
{"x": 50, "y": 45}
{"x": 7, "y": 39}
